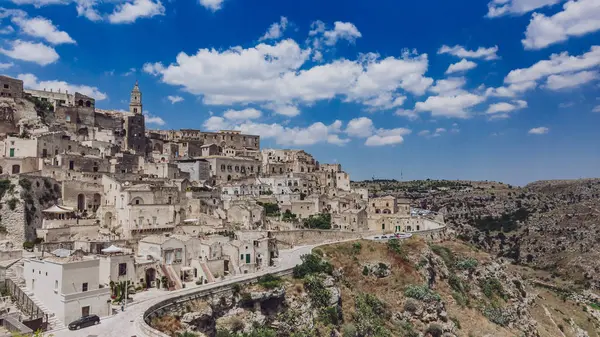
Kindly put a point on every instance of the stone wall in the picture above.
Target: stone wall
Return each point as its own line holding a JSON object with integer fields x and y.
{"x": 22, "y": 205}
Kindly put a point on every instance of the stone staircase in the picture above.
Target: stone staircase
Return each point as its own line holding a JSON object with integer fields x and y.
{"x": 53, "y": 322}
{"x": 209, "y": 276}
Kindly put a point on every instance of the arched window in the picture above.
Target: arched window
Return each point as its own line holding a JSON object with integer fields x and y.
{"x": 16, "y": 169}
{"x": 88, "y": 104}
{"x": 80, "y": 103}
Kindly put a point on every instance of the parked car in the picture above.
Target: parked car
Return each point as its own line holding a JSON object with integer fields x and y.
{"x": 84, "y": 321}
{"x": 384, "y": 237}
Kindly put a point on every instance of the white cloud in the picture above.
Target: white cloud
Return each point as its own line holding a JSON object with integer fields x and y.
{"x": 30, "y": 81}
{"x": 42, "y": 28}
{"x": 436, "y": 133}
{"x": 479, "y": 53}
{"x": 462, "y": 65}
{"x": 341, "y": 31}
{"x": 384, "y": 137}
{"x": 596, "y": 108}
{"x": 498, "y": 8}
{"x": 86, "y": 8}
{"x": 449, "y": 87}
{"x": 4, "y": 66}
{"x": 213, "y": 5}
{"x": 511, "y": 90}
{"x": 578, "y": 18}
{"x": 7, "y": 30}
{"x": 40, "y": 3}
{"x": 130, "y": 72}
{"x": 241, "y": 115}
{"x": 504, "y": 107}
{"x": 450, "y": 106}
{"x": 539, "y": 131}
{"x": 424, "y": 133}
{"x": 361, "y": 127}
{"x": 131, "y": 11}
{"x": 150, "y": 119}
{"x": 175, "y": 99}
{"x": 566, "y": 105}
{"x": 32, "y": 52}
{"x": 276, "y": 30}
{"x": 410, "y": 114}
{"x": 557, "y": 64}
{"x": 286, "y": 136}
{"x": 276, "y": 76}
{"x": 571, "y": 80}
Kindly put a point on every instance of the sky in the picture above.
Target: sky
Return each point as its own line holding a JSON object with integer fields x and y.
{"x": 504, "y": 90}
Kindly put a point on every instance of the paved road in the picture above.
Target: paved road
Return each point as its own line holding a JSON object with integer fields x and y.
{"x": 122, "y": 324}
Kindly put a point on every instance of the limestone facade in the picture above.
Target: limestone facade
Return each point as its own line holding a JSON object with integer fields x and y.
{"x": 11, "y": 87}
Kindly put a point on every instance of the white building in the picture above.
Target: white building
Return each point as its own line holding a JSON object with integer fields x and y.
{"x": 68, "y": 286}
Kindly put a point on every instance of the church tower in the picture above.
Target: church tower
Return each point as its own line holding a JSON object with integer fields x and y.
{"x": 135, "y": 103}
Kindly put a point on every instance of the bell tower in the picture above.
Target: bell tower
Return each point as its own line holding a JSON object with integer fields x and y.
{"x": 135, "y": 102}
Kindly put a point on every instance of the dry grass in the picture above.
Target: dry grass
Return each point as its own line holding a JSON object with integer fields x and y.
{"x": 166, "y": 324}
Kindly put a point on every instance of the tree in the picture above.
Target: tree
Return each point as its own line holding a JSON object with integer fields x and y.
{"x": 319, "y": 221}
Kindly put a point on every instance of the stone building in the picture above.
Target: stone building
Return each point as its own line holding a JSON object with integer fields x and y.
{"x": 354, "y": 219}
{"x": 224, "y": 138}
{"x": 287, "y": 161}
{"x": 198, "y": 169}
{"x": 11, "y": 87}
{"x": 246, "y": 215}
{"x": 389, "y": 205}
{"x": 224, "y": 169}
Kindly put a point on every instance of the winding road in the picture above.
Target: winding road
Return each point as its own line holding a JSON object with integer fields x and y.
{"x": 125, "y": 324}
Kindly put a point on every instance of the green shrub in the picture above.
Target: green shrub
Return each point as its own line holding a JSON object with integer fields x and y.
{"x": 312, "y": 264}
{"x": 421, "y": 293}
{"x": 318, "y": 293}
{"x": 319, "y": 221}
{"x": 318, "y": 251}
{"x": 456, "y": 322}
{"x": 446, "y": 254}
{"x": 467, "y": 264}
{"x": 492, "y": 286}
{"x": 395, "y": 246}
{"x": 269, "y": 281}
{"x": 348, "y": 330}
{"x": 25, "y": 184}
{"x": 435, "y": 330}
{"x": 496, "y": 315}
{"x": 365, "y": 271}
{"x": 356, "y": 247}
{"x": 330, "y": 316}
{"x": 12, "y": 203}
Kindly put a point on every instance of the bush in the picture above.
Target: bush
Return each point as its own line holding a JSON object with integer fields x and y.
{"x": 269, "y": 281}
{"x": 411, "y": 305}
{"x": 28, "y": 245}
{"x": 446, "y": 254}
{"x": 348, "y": 330}
{"x": 435, "y": 330}
{"x": 318, "y": 251}
{"x": 492, "y": 286}
{"x": 330, "y": 316}
{"x": 395, "y": 246}
{"x": 12, "y": 203}
{"x": 319, "y": 221}
{"x": 456, "y": 322}
{"x": 356, "y": 247}
{"x": 467, "y": 264}
{"x": 460, "y": 299}
{"x": 25, "y": 184}
{"x": 319, "y": 295}
{"x": 421, "y": 293}
{"x": 496, "y": 315}
{"x": 312, "y": 264}
{"x": 365, "y": 271}
{"x": 271, "y": 209}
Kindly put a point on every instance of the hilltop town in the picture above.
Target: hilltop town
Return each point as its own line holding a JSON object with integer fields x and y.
{"x": 94, "y": 205}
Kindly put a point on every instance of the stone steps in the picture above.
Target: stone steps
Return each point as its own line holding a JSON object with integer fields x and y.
{"x": 54, "y": 322}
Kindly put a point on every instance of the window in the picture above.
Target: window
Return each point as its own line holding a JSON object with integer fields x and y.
{"x": 68, "y": 119}
{"x": 6, "y": 86}
{"x": 122, "y": 269}
{"x": 84, "y": 287}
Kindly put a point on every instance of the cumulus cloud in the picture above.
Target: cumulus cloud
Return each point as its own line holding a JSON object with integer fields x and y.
{"x": 240, "y": 115}
{"x": 341, "y": 31}
{"x": 479, "y": 53}
{"x": 175, "y": 99}
{"x": 571, "y": 80}
{"x": 7, "y": 30}
{"x": 42, "y": 28}
{"x": 276, "y": 30}
{"x": 409, "y": 114}
{"x": 511, "y": 90}
{"x": 462, "y": 65}
{"x": 498, "y": 8}
{"x": 282, "y": 135}
{"x": 133, "y": 10}
{"x": 557, "y": 64}
{"x": 542, "y": 130}
{"x": 277, "y": 76}
{"x": 31, "y": 52}
{"x": 596, "y": 108}
{"x": 501, "y": 110}
{"x": 30, "y": 81}
{"x": 578, "y": 18}
{"x": 361, "y": 127}
{"x": 457, "y": 106}
{"x": 213, "y": 5}
{"x": 449, "y": 87}
{"x": 150, "y": 119}
{"x": 4, "y": 66}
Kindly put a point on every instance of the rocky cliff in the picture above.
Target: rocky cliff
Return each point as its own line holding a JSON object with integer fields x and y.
{"x": 411, "y": 288}
{"x": 549, "y": 225}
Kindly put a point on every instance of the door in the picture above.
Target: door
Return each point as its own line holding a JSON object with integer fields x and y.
{"x": 85, "y": 311}
{"x": 12, "y": 153}
{"x": 247, "y": 258}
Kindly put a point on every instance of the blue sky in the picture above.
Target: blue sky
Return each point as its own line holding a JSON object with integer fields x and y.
{"x": 502, "y": 90}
